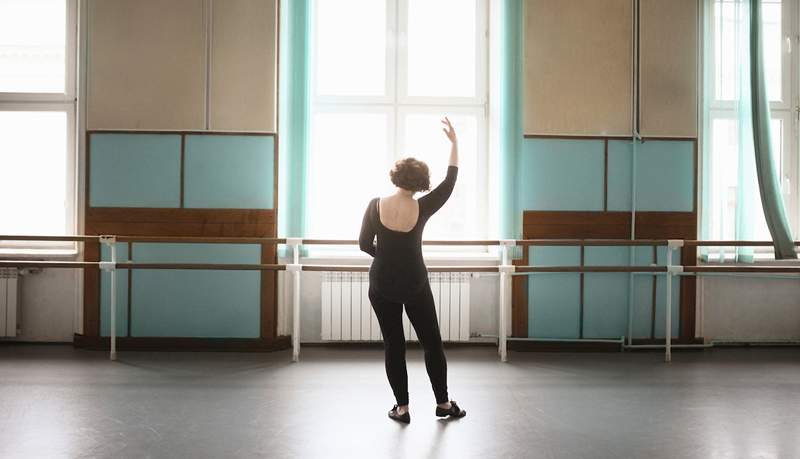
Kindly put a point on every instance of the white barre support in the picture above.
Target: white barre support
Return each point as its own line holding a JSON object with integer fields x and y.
{"x": 111, "y": 267}
{"x": 672, "y": 244}
{"x": 505, "y": 269}
{"x": 296, "y": 269}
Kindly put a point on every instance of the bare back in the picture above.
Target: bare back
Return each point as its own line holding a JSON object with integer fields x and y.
{"x": 398, "y": 213}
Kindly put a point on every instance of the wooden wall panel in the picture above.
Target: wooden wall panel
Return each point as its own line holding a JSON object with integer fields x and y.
{"x": 668, "y": 66}
{"x": 578, "y": 71}
{"x": 243, "y": 65}
{"x": 146, "y": 64}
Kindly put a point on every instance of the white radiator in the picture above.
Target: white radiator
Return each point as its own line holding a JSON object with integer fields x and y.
{"x": 9, "y": 302}
{"x": 347, "y": 314}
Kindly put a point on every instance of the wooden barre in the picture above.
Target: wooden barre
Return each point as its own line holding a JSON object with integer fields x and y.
{"x": 433, "y": 269}
{"x": 48, "y": 264}
{"x": 589, "y": 269}
{"x": 592, "y": 242}
{"x": 434, "y": 242}
{"x": 74, "y": 238}
{"x": 199, "y": 239}
{"x": 731, "y": 243}
{"x": 742, "y": 269}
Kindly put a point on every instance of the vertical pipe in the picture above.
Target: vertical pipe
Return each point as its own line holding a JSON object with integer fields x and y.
{"x": 634, "y": 140}
{"x": 504, "y": 297}
{"x": 668, "y": 318}
{"x": 296, "y": 268}
{"x": 296, "y": 317}
{"x": 113, "y": 314}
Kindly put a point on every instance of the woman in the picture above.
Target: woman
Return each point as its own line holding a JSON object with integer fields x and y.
{"x": 398, "y": 275}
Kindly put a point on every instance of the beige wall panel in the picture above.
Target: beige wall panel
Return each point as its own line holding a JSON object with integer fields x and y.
{"x": 578, "y": 67}
{"x": 668, "y": 61}
{"x": 243, "y": 65}
{"x": 146, "y": 64}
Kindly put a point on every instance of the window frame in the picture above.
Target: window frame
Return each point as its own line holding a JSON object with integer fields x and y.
{"x": 65, "y": 102}
{"x": 787, "y": 110}
{"x": 398, "y": 104}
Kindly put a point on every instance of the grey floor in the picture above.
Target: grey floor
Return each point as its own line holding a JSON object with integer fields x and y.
{"x": 56, "y": 401}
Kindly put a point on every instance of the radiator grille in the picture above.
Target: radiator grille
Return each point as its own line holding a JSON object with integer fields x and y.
{"x": 347, "y": 314}
{"x": 9, "y": 301}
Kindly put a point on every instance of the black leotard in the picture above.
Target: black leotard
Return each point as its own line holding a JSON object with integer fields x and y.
{"x": 398, "y": 269}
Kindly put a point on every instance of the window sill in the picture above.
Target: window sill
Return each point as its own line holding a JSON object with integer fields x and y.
{"x": 759, "y": 259}
{"x": 16, "y": 253}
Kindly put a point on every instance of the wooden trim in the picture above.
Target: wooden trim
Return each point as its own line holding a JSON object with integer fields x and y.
{"x": 175, "y": 215}
{"x": 91, "y": 290}
{"x": 179, "y": 132}
{"x": 127, "y": 343}
{"x": 609, "y": 137}
{"x": 519, "y": 298}
{"x": 576, "y": 137}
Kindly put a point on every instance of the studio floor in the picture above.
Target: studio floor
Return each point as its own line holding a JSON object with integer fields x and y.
{"x": 57, "y": 401}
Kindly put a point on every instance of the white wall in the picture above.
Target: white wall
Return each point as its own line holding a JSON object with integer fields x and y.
{"x": 48, "y": 305}
{"x": 747, "y": 308}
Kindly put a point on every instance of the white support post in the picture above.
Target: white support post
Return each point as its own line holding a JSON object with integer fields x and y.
{"x": 505, "y": 268}
{"x": 671, "y": 271}
{"x": 296, "y": 269}
{"x": 111, "y": 267}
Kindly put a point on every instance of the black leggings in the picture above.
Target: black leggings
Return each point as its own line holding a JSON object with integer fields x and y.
{"x": 422, "y": 314}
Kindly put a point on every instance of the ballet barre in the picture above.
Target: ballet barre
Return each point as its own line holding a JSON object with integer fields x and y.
{"x": 505, "y": 269}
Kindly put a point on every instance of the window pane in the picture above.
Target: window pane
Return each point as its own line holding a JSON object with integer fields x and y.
{"x": 724, "y": 170}
{"x": 727, "y": 34}
{"x": 351, "y": 47}
{"x": 442, "y": 48}
{"x": 32, "y": 45}
{"x": 424, "y": 139}
{"x": 725, "y": 179}
{"x": 773, "y": 47}
{"x": 33, "y": 152}
{"x": 349, "y": 166}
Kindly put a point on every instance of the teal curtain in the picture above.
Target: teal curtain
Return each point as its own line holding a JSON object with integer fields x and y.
{"x": 294, "y": 115}
{"x": 511, "y": 135}
{"x": 768, "y": 181}
{"x": 756, "y": 170}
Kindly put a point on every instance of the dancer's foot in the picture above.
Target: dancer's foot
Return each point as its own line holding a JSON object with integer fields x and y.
{"x": 451, "y": 409}
{"x": 400, "y": 414}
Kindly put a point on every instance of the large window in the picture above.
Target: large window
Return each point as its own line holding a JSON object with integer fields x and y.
{"x": 37, "y": 118}
{"x": 780, "y": 19}
{"x": 384, "y": 73}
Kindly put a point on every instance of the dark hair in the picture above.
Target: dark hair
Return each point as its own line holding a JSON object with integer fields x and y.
{"x": 411, "y": 174}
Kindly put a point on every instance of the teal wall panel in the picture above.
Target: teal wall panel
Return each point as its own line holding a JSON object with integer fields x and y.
{"x": 196, "y": 303}
{"x": 559, "y": 174}
{"x": 605, "y": 295}
{"x": 554, "y": 298}
{"x": 664, "y": 175}
{"x": 134, "y": 170}
{"x": 122, "y": 293}
{"x": 229, "y": 171}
